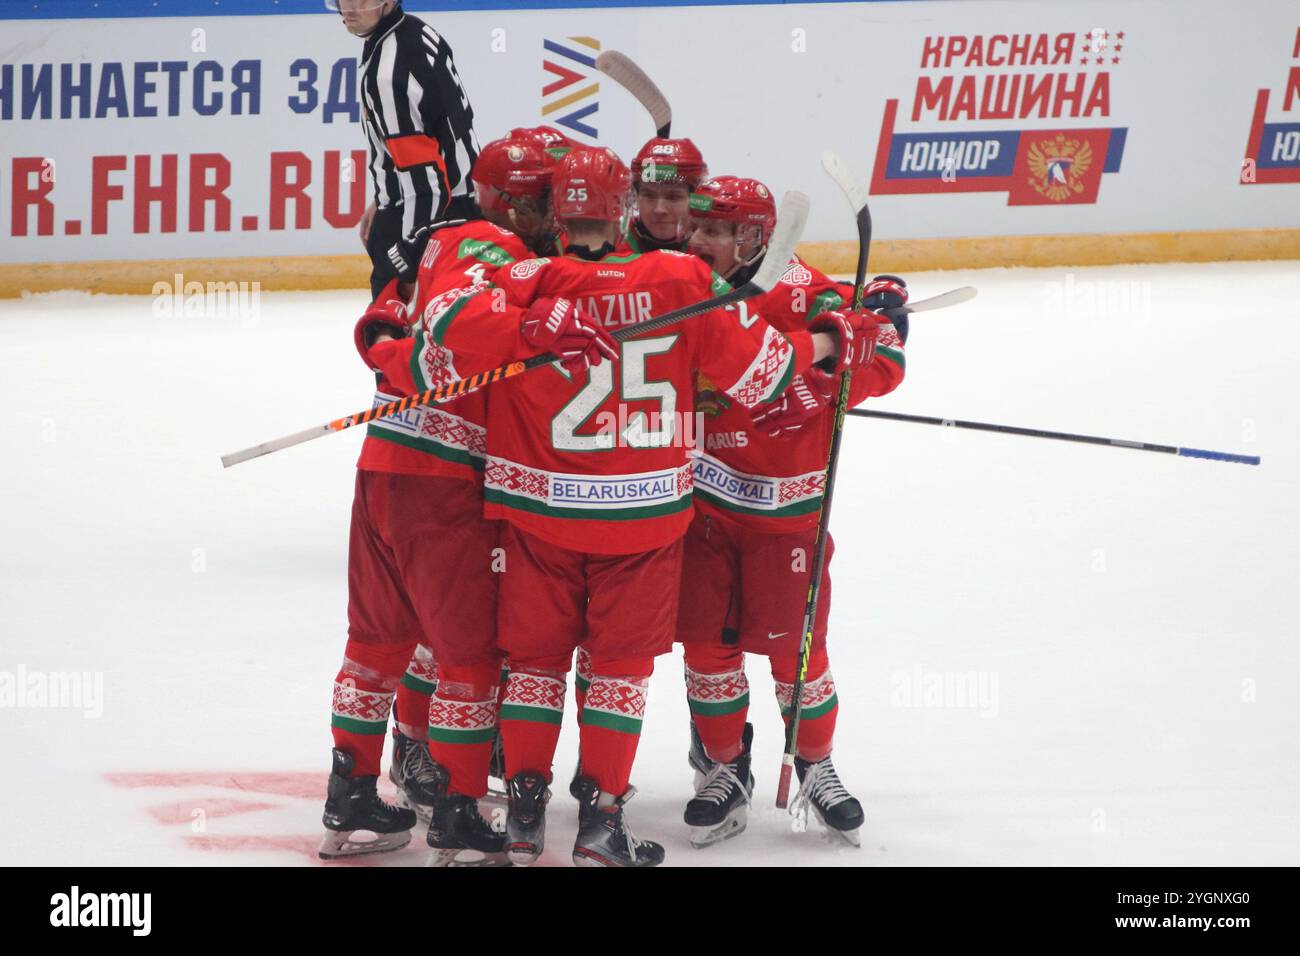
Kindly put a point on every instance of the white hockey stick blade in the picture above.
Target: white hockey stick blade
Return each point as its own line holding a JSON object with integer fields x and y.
{"x": 944, "y": 300}
{"x": 838, "y": 170}
{"x": 288, "y": 441}
{"x": 620, "y": 68}
{"x": 791, "y": 219}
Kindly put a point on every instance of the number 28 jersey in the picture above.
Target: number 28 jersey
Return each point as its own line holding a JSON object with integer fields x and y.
{"x": 599, "y": 461}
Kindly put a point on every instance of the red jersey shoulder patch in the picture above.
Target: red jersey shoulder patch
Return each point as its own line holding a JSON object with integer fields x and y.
{"x": 528, "y": 268}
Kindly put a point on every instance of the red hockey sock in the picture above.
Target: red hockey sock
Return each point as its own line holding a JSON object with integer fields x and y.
{"x": 581, "y": 679}
{"x": 611, "y": 721}
{"x": 718, "y": 694}
{"x": 820, "y": 704}
{"x": 411, "y": 709}
{"x": 462, "y": 723}
{"x": 363, "y": 696}
{"x": 504, "y": 675}
{"x": 531, "y": 713}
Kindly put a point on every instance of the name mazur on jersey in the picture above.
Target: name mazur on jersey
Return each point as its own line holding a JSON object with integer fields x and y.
{"x": 620, "y": 308}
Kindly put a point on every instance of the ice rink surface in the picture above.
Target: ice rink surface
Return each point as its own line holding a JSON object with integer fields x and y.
{"x": 1046, "y": 653}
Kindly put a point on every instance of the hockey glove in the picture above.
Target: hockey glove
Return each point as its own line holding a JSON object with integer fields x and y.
{"x": 887, "y": 292}
{"x": 884, "y": 292}
{"x": 387, "y": 315}
{"x": 855, "y": 338}
{"x": 559, "y": 326}
{"x": 803, "y": 400}
{"x": 405, "y": 253}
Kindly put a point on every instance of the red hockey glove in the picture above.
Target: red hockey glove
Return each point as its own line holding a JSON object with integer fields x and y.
{"x": 884, "y": 292}
{"x": 559, "y": 326}
{"x": 387, "y": 315}
{"x": 855, "y": 338}
{"x": 887, "y": 292}
{"x": 803, "y": 400}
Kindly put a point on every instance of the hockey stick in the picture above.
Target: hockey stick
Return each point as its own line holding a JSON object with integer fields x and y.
{"x": 620, "y": 68}
{"x": 789, "y": 228}
{"x": 857, "y": 197}
{"x": 943, "y": 300}
{"x": 1063, "y": 436}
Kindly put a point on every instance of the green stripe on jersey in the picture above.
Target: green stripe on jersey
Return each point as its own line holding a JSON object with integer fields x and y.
{"x": 826, "y": 302}
{"x": 455, "y": 455}
{"x": 894, "y": 355}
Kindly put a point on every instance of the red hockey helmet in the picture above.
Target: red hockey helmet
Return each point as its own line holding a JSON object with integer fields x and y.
{"x": 742, "y": 202}
{"x": 669, "y": 161}
{"x": 512, "y": 168}
{"x": 553, "y": 141}
{"x": 591, "y": 183}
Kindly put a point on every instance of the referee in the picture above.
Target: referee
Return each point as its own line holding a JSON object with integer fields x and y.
{"x": 420, "y": 129}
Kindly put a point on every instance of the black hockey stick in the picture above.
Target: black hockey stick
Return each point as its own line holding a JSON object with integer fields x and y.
{"x": 857, "y": 197}
{"x": 1062, "y": 436}
{"x": 789, "y": 228}
{"x": 620, "y": 68}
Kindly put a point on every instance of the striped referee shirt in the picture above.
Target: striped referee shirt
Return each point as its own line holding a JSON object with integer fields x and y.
{"x": 418, "y": 120}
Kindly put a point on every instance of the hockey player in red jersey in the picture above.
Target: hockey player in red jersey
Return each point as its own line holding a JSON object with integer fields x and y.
{"x": 418, "y": 501}
{"x": 759, "y": 481}
{"x": 664, "y": 172}
{"x": 591, "y": 473}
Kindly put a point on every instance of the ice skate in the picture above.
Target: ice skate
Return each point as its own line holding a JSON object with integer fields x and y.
{"x": 604, "y": 837}
{"x": 697, "y": 757}
{"x": 720, "y": 809}
{"x": 459, "y": 836}
{"x": 353, "y": 806}
{"x": 526, "y": 817}
{"x": 820, "y": 788}
{"x": 412, "y": 772}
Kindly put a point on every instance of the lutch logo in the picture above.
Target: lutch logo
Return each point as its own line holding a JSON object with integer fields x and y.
{"x": 570, "y": 98}
{"x": 102, "y": 909}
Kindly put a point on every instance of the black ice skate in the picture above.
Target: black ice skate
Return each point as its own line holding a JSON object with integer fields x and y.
{"x": 526, "y": 817}
{"x": 720, "y": 809}
{"x": 698, "y": 759}
{"x": 604, "y": 838}
{"x": 352, "y": 806}
{"x": 820, "y": 788}
{"x": 412, "y": 772}
{"x": 459, "y": 836}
